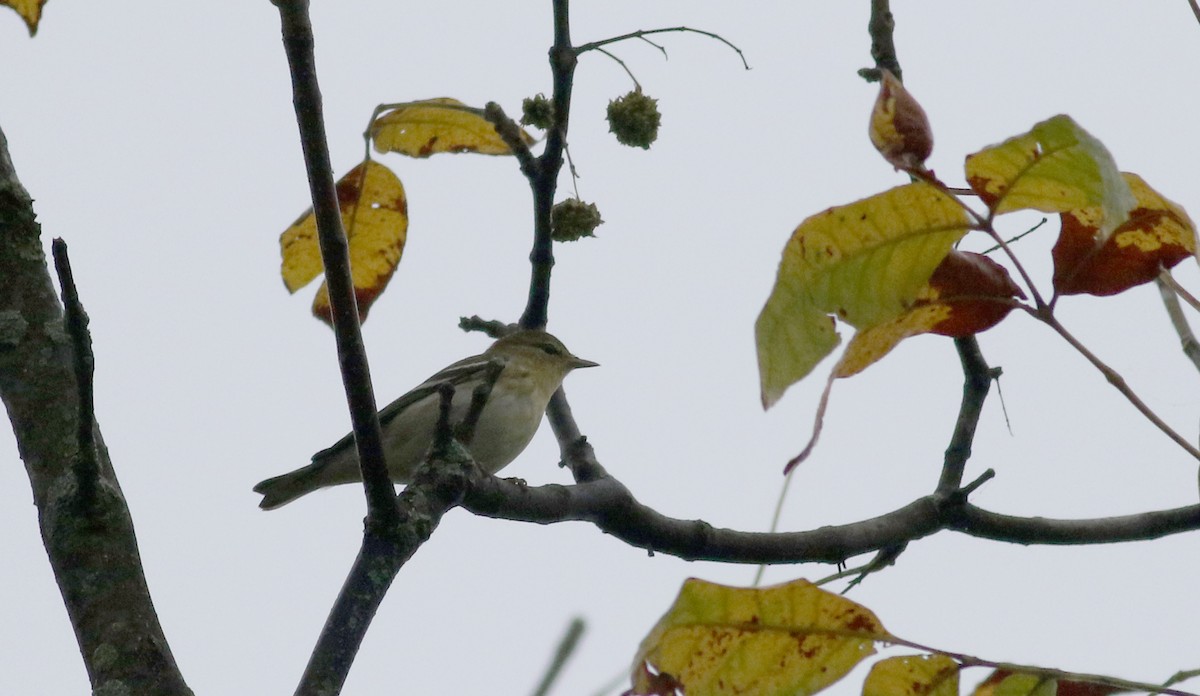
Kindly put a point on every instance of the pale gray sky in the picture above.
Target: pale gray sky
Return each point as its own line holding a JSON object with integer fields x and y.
{"x": 158, "y": 139}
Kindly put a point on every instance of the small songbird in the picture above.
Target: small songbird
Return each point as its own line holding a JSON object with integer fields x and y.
{"x": 534, "y": 364}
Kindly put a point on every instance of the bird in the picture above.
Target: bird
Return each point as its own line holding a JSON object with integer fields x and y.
{"x": 532, "y": 365}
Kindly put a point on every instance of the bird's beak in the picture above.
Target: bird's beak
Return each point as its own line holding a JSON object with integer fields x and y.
{"x": 578, "y": 362}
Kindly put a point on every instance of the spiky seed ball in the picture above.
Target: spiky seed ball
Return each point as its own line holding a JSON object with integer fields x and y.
{"x": 634, "y": 119}
{"x": 572, "y": 219}
{"x": 537, "y": 112}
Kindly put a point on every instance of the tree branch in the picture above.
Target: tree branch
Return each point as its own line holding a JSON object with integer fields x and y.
{"x": 543, "y": 178}
{"x": 92, "y": 548}
{"x": 437, "y": 486}
{"x": 882, "y": 27}
{"x": 335, "y": 254}
{"x": 977, "y": 380}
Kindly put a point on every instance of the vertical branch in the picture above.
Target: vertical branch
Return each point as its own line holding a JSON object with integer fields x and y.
{"x": 87, "y": 468}
{"x": 977, "y": 380}
{"x": 352, "y": 356}
{"x": 543, "y": 178}
{"x": 882, "y": 27}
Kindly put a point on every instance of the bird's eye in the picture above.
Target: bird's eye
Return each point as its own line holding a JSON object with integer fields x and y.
{"x": 550, "y": 349}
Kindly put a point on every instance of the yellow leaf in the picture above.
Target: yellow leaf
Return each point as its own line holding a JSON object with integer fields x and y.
{"x": 375, "y": 217}
{"x": 793, "y": 639}
{"x": 1055, "y": 167}
{"x": 424, "y": 128}
{"x": 913, "y": 675}
{"x": 30, "y": 11}
{"x": 864, "y": 262}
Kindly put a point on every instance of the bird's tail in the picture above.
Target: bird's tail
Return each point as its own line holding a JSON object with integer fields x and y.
{"x": 281, "y": 490}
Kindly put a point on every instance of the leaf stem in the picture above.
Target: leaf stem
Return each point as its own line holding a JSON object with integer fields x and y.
{"x": 1046, "y": 316}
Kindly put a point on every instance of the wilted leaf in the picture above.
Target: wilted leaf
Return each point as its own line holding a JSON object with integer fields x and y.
{"x": 913, "y": 675}
{"x": 1056, "y": 167}
{"x": 375, "y": 217}
{"x": 424, "y": 128}
{"x": 967, "y": 294}
{"x": 899, "y": 128}
{"x": 865, "y": 262}
{"x": 792, "y": 639}
{"x": 30, "y": 11}
{"x": 1157, "y": 235}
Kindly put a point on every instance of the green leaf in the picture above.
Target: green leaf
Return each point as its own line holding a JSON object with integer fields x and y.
{"x": 913, "y": 675}
{"x": 1055, "y": 167}
{"x": 864, "y": 262}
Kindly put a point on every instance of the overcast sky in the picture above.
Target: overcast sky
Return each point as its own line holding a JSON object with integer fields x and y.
{"x": 158, "y": 140}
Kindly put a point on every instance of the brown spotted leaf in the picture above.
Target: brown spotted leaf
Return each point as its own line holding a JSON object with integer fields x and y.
{"x": 793, "y": 639}
{"x": 424, "y": 128}
{"x": 375, "y": 217}
{"x": 1157, "y": 235}
{"x": 968, "y": 293}
{"x": 30, "y": 11}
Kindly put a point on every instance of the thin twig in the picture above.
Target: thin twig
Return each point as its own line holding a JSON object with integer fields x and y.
{"x": 562, "y": 653}
{"x": 1180, "y": 290}
{"x": 352, "y": 357}
{"x": 491, "y": 327}
{"x": 87, "y": 465}
{"x": 1114, "y": 378}
{"x": 1195, "y": 9}
{"x": 977, "y": 379}
{"x": 510, "y": 133}
{"x": 642, "y": 33}
{"x": 620, "y": 62}
{"x": 1017, "y": 238}
{"x": 1191, "y": 348}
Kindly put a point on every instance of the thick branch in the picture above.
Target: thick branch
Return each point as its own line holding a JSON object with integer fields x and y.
{"x": 92, "y": 548}
{"x": 352, "y": 355}
{"x": 609, "y": 505}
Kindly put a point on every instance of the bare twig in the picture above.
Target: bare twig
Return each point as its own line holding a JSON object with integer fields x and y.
{"x": 356, "y": 374}
{"x": 882, "y": 27}
{"x": 491, "y": 327}
{"x": 87, "y": 466}
{"x": 1191, "y": 348}
{"x": 643, "y": 33}
{"x": 1017, "y": 238}
{"x": 977, "y": 379}
{"x": 1195, "y": 9}
{"x": 1180, "y": 290}
{"x": 625, "y": 67}
{"x": 562, "y": 653}
{"x": 510, "y": 133}
{"x": 1114, "y": 378}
